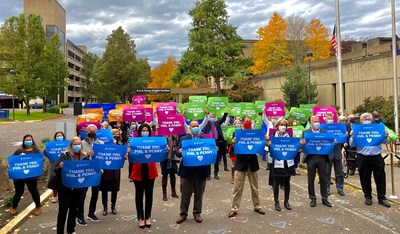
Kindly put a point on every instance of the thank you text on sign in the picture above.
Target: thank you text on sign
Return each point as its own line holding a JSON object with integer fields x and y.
{"x": 147, "y": 149}
{"x": 368, "y": 134}
{"x": 319, "y": 143}
{"x": 55, "y": 148}
{"x": 81, "y": 174}
{"x": 110, "y": 156}
{"x": 338, "y": 129}
{"x": 284, "y": 148}
{"x": 25, "y": 166}
{"x": 198, "y": 152}
{"x": 249, "y": 141}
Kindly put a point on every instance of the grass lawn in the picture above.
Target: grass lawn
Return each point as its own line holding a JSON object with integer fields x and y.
{"x": 20, "y": 115}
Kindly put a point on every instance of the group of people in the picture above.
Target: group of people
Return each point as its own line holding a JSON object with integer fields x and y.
{"x": 193, "y": 179}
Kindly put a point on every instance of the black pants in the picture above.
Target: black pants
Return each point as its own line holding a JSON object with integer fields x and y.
{"x": 19, "y": 186}
{"x": 368, "y": 165}
{"x": 190, "y": 186}
{"x": 339, "y": 177}
{"x": 144, "y": 189}
{"x": 68, "y": 201}
{"x": 317, "y": 162}
{"x": 280, "y": 180}
{"x": 104, "y": 197}
{"x": 93, "y": 202}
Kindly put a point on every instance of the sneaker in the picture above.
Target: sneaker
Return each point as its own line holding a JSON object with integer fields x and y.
{"x": 81, "y": 222}
{"x": 93, "y": 218}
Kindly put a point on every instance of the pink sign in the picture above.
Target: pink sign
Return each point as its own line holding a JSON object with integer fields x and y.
{"x": 275, "y": 109}
{"x": 139, "y": 100}
{"x": 207, "y": 135}
{"x": 321, "y": 111}
{"x": 272, "y": 131}
{"x": 166, "y": 108}
{"x": 148, "y": 111}
{"x": 82, "y": 125}
{"x": 133, "y": 113}
{"x": 171, "y": 125}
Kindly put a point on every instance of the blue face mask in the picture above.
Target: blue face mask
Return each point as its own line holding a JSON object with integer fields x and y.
{"x": 212, "y": 119}
{"x": 59, "y": 138}
{"x": 28, "y": 143}
{"x": 367, "y": 122}
{"x": 196, "y": 130}
{"x": 76, "y": 148}
{"x": 329, "y": 121}
{"x": 145, "y": 134}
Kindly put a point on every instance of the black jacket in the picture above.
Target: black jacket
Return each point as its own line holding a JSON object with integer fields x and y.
{"x": 58, "y": 170}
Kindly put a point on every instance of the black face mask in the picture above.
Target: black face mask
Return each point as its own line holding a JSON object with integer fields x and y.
{"x": 116, "y": 138}
{"x": 91, "y": 135}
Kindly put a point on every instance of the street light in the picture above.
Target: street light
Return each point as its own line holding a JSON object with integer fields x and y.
{"x": 12, "y": 72}
{"x": 309, "y": 56}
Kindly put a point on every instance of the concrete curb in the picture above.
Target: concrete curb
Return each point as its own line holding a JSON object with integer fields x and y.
{"x": 32, "y": 121}
{"x": 22, "y": 215}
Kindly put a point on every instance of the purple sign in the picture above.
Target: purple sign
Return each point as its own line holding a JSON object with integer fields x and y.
{"x": 275, "y": 109}
{"x": 83, "y": 125}
{"x": 171, "y": 125}
{"x": 321, "y": 112}
{"x": 133, "y": 113}
{"x": 166, "y": 109}
{"x": 148, "y": 111}
{"x": 139, "y": 100}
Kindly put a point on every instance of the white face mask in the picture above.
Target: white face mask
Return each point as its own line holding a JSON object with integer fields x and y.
{"x": 282, "y": 128}
{"x": 316, "y": 125}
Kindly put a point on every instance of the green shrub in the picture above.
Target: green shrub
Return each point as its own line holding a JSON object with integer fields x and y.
{"x": 46, "y": 139}
{"x": 8, "y": 201}
{"x": 55, "y": 109}
{"x": 64, "y": 105}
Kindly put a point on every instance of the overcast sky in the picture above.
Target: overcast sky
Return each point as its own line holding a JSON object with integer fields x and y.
{"x": 160, "y": 27}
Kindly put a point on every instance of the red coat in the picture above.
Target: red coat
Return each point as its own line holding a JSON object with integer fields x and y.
{"x": 137, "y": 171}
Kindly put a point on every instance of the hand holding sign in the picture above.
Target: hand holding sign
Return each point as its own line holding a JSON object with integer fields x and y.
{"x": 368, "y": 134}
{"x": 199, "y": 152}
{"x": 249, "y": 141}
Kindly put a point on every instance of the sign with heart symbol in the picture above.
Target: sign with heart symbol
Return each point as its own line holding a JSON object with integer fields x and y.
{"x": 250, "y": 147}
{"x": 318, "y": 148}
{"x": 249, "y": 141}
{"x": 284, "y": 153}
{"x": 26, "y": 171}
{"x": 284, "y": 148}
{"x": 108, "y": 163}
{"x": 147, "y": 156}
{"x": 112, "y": 157}
{"x": 198, "y": 152}
{"x": 25, "y": 166}
{"x": 321, "y": 143}
{"x": 369, "y": 140}
{"x": 171, "y": 129}
{"x": 147, "y": 149}
{"x": 200, "y": 158}
{"x": 171, "y": 125}
{"x": 134, "y": 113}
{"x": 368, "y": 134}
{"x": 81, "y": 173}
{"x": 81, "y": 180}
{"x": 274, "y": 109}
{"x": 279, "y": 224}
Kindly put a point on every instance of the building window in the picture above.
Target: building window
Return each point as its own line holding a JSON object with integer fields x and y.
{"x": 70, "y": 65}
{"x": 78, "y": 58}
{"x": 70, "y": 54}
{"x": 71, "y": 77}
{"x": 70, "y": 88}
{"x": 70, "y": 99}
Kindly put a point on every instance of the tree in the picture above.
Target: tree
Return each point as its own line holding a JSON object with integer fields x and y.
{"x": 119, "y": 72}
{"x": 23, "y": 41}
{"x": 215, "y": 49}
{"x": 270, "y": 51}
{"x": 296, "y": 82}
{"x": 244, "y": 91}
{"x": 317, "y": 39}
{"x": 87, "y": 90}
{"x": 295, "y": 36}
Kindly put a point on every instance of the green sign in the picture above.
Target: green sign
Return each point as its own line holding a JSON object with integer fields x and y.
{"x": 235, "y": 109}
{"x": 179, "y": 108}
{"x": 300, "y": 114}
{"x": 195, "y": 110}
{"x": 297, "y": 131}
{"x": 248, "y": 108}
{"x": 196, "y": 99}
{"x": 308, "y": 107}
{"x": 258, "y": 120}
{"x": 218, "y": 105}
{"x": 230, "y": 135}
{"x": 392, "y": 134}
{"x": 225, "y": 130}
{"x": 260, "y": 105}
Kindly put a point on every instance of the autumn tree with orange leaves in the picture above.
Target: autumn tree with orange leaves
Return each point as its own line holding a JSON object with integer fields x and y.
{"x": 270, "y": 51}
{"x": 317, "y": 39}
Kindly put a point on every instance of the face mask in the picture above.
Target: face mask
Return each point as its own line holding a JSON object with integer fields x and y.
{"x": 294, "y": 123}
{"x": 376, "y": 118}
{"x": 195, "y": 130}
{"x": 329, "y": 121}
{"x": 212, "y": 119}
{"x": 316, "y": 125}
{"x": 352, "y": 120}
{"x": 247, "y": 125}
{"x": 282, "y": 128}
{"x": 91, "y": 135}
{"x": 116, "y": 138}
{"x": 238, "y": 125}
{"x": 145, "y": 134}
{"x": 28, "y": 143}
{"x": 59, "y": 138}
{"x": 367, "y": 122}
{"x": 273, "y": 121}
{"x": 133, "y": 127}
{"x": 76, "y": 148}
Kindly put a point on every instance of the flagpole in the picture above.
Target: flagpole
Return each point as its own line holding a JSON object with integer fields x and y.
{"x": 395, "y": 95}
{"x": 339, "y": 58}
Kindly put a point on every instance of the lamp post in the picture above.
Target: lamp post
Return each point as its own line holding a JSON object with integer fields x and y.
{"x": 309, "y": 56}
{"x": 12, "y": 72}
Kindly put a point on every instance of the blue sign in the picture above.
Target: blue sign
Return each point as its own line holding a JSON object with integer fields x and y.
{"x": 249, "y": 141}
{"x": 111, "y": 156}
{"x": 339, "y": 129}
{"x": 199, "y": 152}
{"x": 284, "y": 148}
{"x": 368, "y": 134}
{"x": 55, "y": 148}
{"x": 147, "y": 149}
{"x": 81, "y": 174}
{"x": 319, "y": 143}
{"x": 25, "y": 166}
{"x": 104, "y": 135}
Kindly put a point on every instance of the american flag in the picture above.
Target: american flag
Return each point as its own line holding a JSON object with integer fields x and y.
{"x": 334, "y": 44}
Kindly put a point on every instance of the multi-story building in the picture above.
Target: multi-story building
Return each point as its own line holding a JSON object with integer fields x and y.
{"x": 53, "y": 17}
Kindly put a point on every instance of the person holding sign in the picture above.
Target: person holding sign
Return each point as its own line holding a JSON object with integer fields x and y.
{"x": 245, "y": 165}
{"x": 281, "y": 170}
{"x": 170, "y": 167}
{"x": 132, "y": 132}
{"x": 68, "y": 198}
{"x": 369, "y": 160}
{"x": 193, "y": 180}
{"x": 143, "y": 176}
{"x": 316, "y": 162}
{"x": 87, "y": 145}
{"x": 58, "y": 136}
{"x": 28, "y": 147}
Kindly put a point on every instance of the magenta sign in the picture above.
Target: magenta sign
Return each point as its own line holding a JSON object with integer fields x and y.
{"x": 275, "y": 109}
{"x": 83, "y": 125}
{"x": 139, "y": 100}
{"x": 149, "y": 114}
{"x": 321, "y": 112}
{"x": 166, "y": 109}
{"x": 171, "y": 125}
{"x": 133, "y": 113}
{"x": 272, "y": 131}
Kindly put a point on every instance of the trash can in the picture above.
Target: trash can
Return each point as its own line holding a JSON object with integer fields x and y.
{"x": 77, "y": 108}
{"x": 4, "y": 114}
